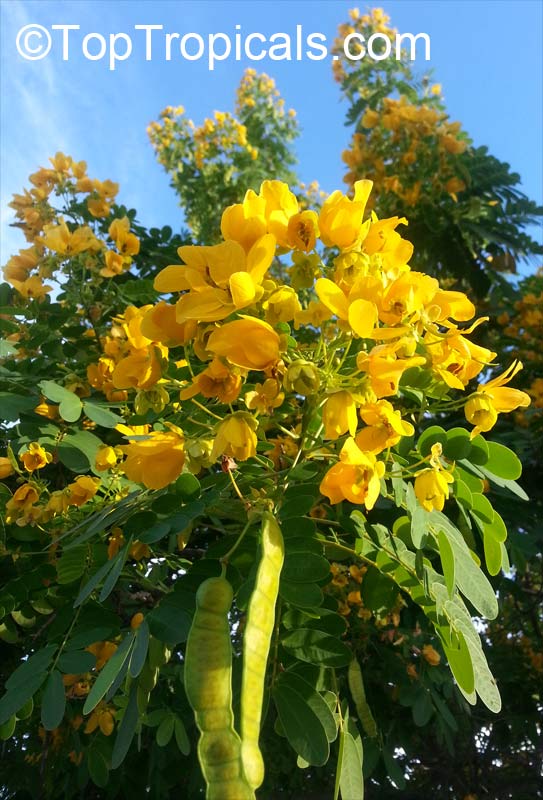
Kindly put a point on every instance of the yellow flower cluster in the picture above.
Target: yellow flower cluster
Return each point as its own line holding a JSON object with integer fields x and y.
{"x": 54, "y": 241}
{"x": 357, "y": 301}
{"x": 374, "y": 22}
{"x": 406, "y": 144}
{"x": 414, "y": 133}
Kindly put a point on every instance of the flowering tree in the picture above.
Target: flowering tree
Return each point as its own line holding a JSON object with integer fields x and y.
{"x": 466, "y": 212}
{"x": 236, "y": 537}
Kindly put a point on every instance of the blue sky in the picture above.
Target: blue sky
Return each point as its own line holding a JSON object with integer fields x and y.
{"x": 487, "y": 55}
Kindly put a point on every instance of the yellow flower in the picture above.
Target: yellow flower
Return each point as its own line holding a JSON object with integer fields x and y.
{"x": 115, "y": 264}
{"x": 236, "y": 437}
{"x": 219, "y": 279}
{"x": 385, "y": 427}
{"x": 160, "y": 325}
{"x": 115, "y": 542}
{"x": 35, "y": 457}
{"x": 127, "y": 243}
{"x": 6, "y": 468}
{"x": 383, "y": 239}
{"x": 281, "y": 206}
{"x": 370, "y": 118}
{"x": 430, "y": 655}
{"x": 61, "y": 240}
{"x": 357, "y": 306}
{"x": 82, "y": 489}
{"x": 102, "y": 717}
{"x": 302, "y": 231}
{"x": 385, "y": 368}
{"x": 282, "y": 305}
{"x": 105, "y": 458}
{"x": 432, "y": 488}
{"x": 45, "y": 409}
{"x": 248, "y": 342}
{"x": 25, "y": 497}
{"x": 339, "y": 415}
{"x": 139, "y": 550}
{"x": 139, "y": 370}
{"x": 491, "y": 399}
{"x": 157, "y": 460}
{"x": 102, "y": 651}
{"x": 136, "y": 620}
{"x": 265, "y": 397}
{"x": 58, "y": 502}
{"x": 98, "y": 207}
{"x": 356, "y": 478}
{"x": 32, "y": 287}
{"x": 217, "y": 380}
{"x": 245, "y": 222}
{"x": 304, "y": 270}
{"x": 340, "y": 219}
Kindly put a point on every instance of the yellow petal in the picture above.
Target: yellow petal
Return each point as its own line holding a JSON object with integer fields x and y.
{"x": 242, "y": 289}
{"x": 172, "y": 279}
{"x": 362, "y": 317}
{"x": 332, "y": 297}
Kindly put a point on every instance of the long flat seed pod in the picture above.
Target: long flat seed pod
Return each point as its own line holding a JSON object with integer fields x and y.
{"x": 256, "y": 647}
{"x": 358, "y": 692}
{"x": 208, "y": 685}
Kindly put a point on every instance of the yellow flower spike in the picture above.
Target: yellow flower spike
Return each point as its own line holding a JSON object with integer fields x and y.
{"x": 248, "y": 342}
{"x": 356, "y": 478}
{"x": 339, "y": 415}
{"x": 155, "y": 461}
{"x": 35, "y": 457}
{"x": 491, "y": 399}
{"x": 236, "y": 437}
{"x": 340, "y": 219}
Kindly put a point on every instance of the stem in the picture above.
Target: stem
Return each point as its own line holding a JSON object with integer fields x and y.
{"x": 224, "y": 560}
{"x": 203, "y": 408}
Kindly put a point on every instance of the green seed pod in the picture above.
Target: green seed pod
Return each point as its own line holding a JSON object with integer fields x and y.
{"x": 8, "y": 728}
{"x": 142, "y": 699}
{"x": 148, "y": 678}
{"x": 26, "y": 710}
{"x": 208, "y": 686}
{"x": 356, "y": 687}
{"x": 256, "y": 646}
{"x": 159, "y": 653}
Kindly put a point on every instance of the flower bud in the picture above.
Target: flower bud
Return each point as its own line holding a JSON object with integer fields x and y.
{"x": 302, "y": 377}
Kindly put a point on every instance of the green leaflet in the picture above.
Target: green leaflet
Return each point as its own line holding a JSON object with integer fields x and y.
{"x": 449, "y": 616}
